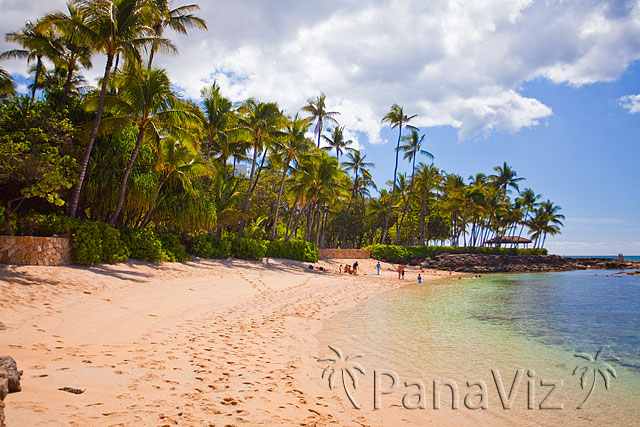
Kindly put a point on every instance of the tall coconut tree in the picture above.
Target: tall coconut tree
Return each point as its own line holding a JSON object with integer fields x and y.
{"x": 71, "y": 50}
{"x": 294, "y": 144}
{"x": 219, "y": 114}
{"x": 36, "y": 44}
{"x": 411, "y": 149}
{"x": 337, "y": 141}
{"x": 528, "y": 200}
{"x": 262, "y": 123}
{"x": 316, "y": 107}
{"x": 179, "y": 19}
{"x": 505, "y": 178}
{"x": 397, "y": 119}
{"x": 145, "y": 99}
{"x": 113, "y": 27}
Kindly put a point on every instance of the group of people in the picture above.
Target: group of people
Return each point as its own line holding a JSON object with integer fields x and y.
{"x": 353, "y": 270}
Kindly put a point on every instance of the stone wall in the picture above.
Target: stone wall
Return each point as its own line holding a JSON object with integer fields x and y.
{"x": 344, "y": 254}
{"x": 28, "y": 250}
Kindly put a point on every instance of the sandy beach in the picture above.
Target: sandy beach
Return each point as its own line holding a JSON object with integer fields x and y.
{"x": 217, "y": 343}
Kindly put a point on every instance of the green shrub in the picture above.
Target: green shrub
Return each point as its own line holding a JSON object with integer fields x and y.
{"x": 207, "y": 246}
{"x": 87, "y": 243}
{"x": 144, "y": 245}
{"x": 393, "y": 253}
{"x": 175, "y": 251}
{"x": 244, "y": 248}
{"x": 114, "y": 249}
{"x": 293, "y": 249}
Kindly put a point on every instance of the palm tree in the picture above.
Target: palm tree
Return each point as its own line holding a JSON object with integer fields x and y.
{"x": 36, "y": 43}
{"x": 294, "y": 144}
{"x": 396, "y": 118}
{"x": 596, "y": 366}
{"x": 219, "y": 113}
{"x": 356, "y": 163}
{"x": 528, "y": 200}
{"x": 337, "y": 142}
{"x": 179, "y": 163}
{"x": 179, "y": 20}
{"x": 145, "y": 99}
{"x": 262, "y": 123}
{"x": 317, "y": 108}
{"x": 505, "y": 179}
{"x": 7, "y": 87}
{"x": 112, "y": 27}
{"x": 411, "y": 150}
{"x": 71, "y": 51}
{"x": 347, "y": 366}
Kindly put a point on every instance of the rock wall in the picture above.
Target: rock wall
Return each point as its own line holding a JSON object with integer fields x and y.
{"x": 28, "y": 250}
{"x": 344, "y": 254}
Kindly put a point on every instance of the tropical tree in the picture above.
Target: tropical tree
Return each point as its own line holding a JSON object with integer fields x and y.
{"x": 396, "y": 118}
{"x": 70, "y": 50}
{"x": 7, "y": 86}
{"x": 220, "y": 115}
{"x": 36, "y": 44}
{"x": 145, "y": 99}
{"x": 262, "y": 123}
{"x": 179, "y": 20}
{"x": 337, "y": 142}
{"x": 290, "y": 149}
{"x": 317, "y": 109}
{"x": 505, "y": 178}
{"x": 411, "y": 149}
{"x": 112, "y": 27}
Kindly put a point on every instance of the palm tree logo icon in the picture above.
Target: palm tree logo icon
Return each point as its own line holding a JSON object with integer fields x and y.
{"x": 594, "y": 365}
{"x": 346, "y": 365}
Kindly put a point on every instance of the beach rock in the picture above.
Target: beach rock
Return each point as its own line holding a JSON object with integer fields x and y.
{"x": 477, "y": 263}
{"x": 4, "y": 390}
{"x": 2, "y": 327}
{"x": 9, "y": 366}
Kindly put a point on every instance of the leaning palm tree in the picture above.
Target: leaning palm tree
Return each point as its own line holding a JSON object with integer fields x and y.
{"x": 36, "y": 45}
{"x": 7, "y": 86}
{"x": 179, "y": 20}
{"x": 396, "y": 118}
{"x": 411, "y": 149}
{"x": 294, "y": 144}
{"x": 112, "y": 27}
{"x": 317, "y": 109}
{"x": 146, "y": 100}
{"x": 337, "y": 142}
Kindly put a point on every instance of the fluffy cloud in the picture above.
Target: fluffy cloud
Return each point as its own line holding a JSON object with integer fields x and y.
{"x": 631, "y": 103}
{"x": 457, "y": 63}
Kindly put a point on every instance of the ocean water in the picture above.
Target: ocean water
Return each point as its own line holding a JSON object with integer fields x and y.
{"x": 467, "y": 329}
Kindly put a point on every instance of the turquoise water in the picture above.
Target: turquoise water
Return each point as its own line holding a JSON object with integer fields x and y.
{"x": 462, "y": 329}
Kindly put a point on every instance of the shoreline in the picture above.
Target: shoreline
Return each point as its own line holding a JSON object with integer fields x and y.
{"x": 226, "y": 342}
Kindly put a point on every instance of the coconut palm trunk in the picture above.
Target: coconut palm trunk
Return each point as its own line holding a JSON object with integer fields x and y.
{"x": 125, "y": 178}
{"x": 75, "y": 195}
{"x": 393, "y": 192}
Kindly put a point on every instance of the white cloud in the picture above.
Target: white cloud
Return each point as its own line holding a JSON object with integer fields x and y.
{"x": 458, "y": 63}
{"x": 631, "y": 103}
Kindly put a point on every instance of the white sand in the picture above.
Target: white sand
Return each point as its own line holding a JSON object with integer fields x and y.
{"x": 202, "y": 343}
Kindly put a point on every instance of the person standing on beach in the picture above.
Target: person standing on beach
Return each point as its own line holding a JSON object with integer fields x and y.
{"x": 378, "y": 267}
{"x": 419, "y": 279}
{"x": 399, "y": 271}
{"x": 403, "y": 272}
{"x": 355, "y": 267}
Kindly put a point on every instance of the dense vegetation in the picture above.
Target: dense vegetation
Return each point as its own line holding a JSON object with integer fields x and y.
{"x": 140, "y": 172}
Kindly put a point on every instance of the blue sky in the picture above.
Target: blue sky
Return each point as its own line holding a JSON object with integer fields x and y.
{"x": 549, "y": 86}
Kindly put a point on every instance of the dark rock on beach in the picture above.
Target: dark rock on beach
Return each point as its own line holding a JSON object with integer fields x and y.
{"x": 9, "y": 366}
{"x": 2, "y": 327}
{"x": 475, "y": 263}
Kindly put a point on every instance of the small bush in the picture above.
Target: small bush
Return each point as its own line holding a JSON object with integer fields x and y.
{"x": 87, "y": 243}
{"x": 144, "y": 245}
{"x": 114, "y": 249}
{"x": 244, "y": 248}
{"x": 207, "y": 246}
{"x": 293, "y": 249}
{"x": 175, "y": 251}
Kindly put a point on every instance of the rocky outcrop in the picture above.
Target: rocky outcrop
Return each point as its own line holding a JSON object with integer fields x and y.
{"x": 28, "y": 250}
{"x": 474, "y": 263}
{"x": 9, "y": 382}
